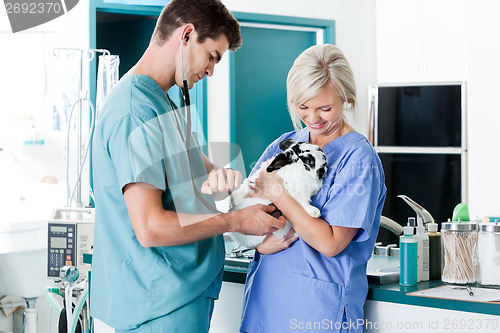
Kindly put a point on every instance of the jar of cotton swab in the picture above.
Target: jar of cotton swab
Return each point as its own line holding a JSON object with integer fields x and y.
{"x": 459, "y": 240}
{"x": 488, "y": 252}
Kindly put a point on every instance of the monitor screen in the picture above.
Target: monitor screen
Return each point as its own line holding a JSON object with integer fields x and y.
{"x": 419, "y": 116}
{"x": 432, "y": 180}
{"x": 58, "y": 242}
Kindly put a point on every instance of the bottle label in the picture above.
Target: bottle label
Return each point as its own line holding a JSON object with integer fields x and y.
{"x": 426, "y": 254}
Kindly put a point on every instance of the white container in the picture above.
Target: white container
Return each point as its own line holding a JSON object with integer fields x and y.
{"x": 488, "y": 251}
{"x": 459, "y": 240}
{"x": 423, "y": 254}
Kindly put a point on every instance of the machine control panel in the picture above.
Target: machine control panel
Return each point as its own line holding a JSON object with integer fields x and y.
{"x": 70, "y": 235}
{"x": 61, "y": 247}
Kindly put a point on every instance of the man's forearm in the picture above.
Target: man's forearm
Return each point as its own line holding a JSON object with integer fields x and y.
{"x": 171, "y": 228}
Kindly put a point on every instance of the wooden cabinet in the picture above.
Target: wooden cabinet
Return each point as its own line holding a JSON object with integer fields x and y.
{"x": 421, "y": 40}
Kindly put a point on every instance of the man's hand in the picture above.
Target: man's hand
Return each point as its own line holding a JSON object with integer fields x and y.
{"x": 221, "y": 180}
{"x": 256, "y": 220}
{"x": 273, "y": 244}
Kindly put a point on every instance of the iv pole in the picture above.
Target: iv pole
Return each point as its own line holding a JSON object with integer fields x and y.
{"x": 70, "y": 284}
{"x": 90, "y": 56}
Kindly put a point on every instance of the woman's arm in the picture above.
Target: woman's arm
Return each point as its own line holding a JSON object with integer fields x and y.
{"x": 323, "y": 237}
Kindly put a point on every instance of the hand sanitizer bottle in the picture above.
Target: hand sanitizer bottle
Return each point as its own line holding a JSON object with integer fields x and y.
{"x": 408, "y": 244}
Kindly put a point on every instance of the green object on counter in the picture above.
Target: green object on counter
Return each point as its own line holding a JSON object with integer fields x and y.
{"x": 461, "y": 212}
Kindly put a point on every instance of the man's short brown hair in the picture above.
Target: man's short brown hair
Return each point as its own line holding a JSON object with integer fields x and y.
{"x": 209, "y": 17}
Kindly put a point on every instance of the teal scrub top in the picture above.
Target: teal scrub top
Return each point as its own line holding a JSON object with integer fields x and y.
{"x": 300, "y": 288}
{"x": 140, "y": 137}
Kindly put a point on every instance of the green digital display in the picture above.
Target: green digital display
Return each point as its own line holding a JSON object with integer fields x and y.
{"x": 58, "y": 229}
{"x": 57, "y": 242}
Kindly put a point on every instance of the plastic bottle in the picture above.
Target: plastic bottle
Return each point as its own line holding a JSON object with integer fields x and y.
{"x": 423, "y": 253}
{"x": 408, "y": 258}
{"x": 434, "y": 251}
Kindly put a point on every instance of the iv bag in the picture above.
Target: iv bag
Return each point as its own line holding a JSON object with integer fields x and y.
{"x": 64, "y": 88}
{"x": 107, "y": 77}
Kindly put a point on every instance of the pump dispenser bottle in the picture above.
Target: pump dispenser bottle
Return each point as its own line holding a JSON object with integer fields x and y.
{"x": 423, "y": 252}
{"x": 434, "y": 251}
{"x": 408, "y": 257}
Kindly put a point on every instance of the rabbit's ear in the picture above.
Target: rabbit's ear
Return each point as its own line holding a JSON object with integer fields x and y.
{"x": 285, "y": 144}
{"x": 279, "y": 161}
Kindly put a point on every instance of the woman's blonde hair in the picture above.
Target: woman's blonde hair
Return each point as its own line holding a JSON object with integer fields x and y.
{"x": 315, "y": 68}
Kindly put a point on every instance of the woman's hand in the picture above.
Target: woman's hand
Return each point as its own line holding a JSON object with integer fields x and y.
{"x": 273, "y": 244}
{"x": 221, "y": 180}
{"x": 268, "y": 186}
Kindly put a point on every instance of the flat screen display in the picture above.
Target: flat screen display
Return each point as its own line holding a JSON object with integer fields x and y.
{"x": 432, "y": 180}
{"x": 58, "y": 229}
{"x": 419, "y": 116}
{"x": 57, "y": 242}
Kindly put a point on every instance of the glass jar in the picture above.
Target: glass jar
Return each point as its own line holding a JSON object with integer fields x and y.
{"x": 488, "y": 253}
{"x": 459, "y": 241}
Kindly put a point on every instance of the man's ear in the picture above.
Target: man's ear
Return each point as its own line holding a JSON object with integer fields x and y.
{"x": 187, "y": 32}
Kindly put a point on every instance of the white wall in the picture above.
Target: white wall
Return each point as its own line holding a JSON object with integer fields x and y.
{"x": 459, "y": 47}
{"x": 28, "y": 89}
{"x": 483, "y": 87}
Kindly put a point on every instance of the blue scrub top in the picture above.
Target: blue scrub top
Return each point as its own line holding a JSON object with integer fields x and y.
{"x": 300, "y": 288}
{"x": 141, "y": 138}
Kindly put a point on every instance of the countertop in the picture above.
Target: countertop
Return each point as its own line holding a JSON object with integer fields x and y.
{"x": 235, "y": 271}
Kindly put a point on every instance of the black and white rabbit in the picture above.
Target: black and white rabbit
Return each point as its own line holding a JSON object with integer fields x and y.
{"x": 302, "y": 166}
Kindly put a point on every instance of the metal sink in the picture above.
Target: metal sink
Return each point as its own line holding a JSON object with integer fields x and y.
{"x": 237, "y": 257}
{"x": 383, "y": 266}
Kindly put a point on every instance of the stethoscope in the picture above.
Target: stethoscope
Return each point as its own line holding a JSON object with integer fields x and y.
{"x": 184, "y": 89}
{"x": 187, "y": 105}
